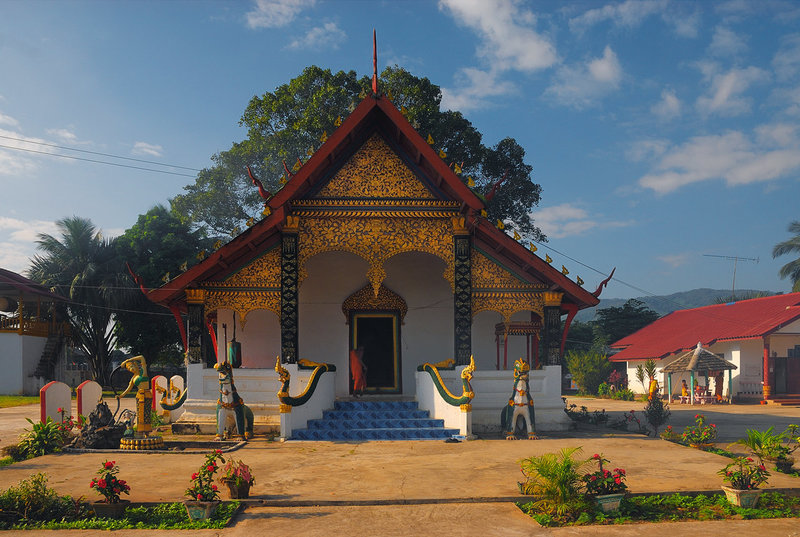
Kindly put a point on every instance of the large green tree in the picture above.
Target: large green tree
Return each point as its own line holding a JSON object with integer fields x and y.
{"x": 286, "y": 123}
{"x": 613, "y": 324}
{"x": 791, "y": 269}
{"x": 83, "y": 266}
{"x": 160, "y": 242}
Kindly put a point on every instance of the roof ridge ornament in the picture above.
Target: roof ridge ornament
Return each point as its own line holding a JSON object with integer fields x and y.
{"x": 374, "y": 63}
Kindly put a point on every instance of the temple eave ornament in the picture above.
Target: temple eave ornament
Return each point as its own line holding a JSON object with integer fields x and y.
{"x": 384, "y": 299}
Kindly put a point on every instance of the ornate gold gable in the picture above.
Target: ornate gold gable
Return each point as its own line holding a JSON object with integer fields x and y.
{"x": 256, "y": 286}
{"x": 365, "y": 299}
{"x": 375, "y": 171}
{"x": 494, "y": 288}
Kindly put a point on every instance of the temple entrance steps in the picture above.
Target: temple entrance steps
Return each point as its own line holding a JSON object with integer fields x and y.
{"x": 366, "y": 419}
{"x": 789, "y": 399}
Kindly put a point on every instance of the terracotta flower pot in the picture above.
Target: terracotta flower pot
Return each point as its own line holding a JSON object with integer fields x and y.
{"x": 237, "y": 492}
{"x": 742, "y": 498}
{"x": 198, "y": 510}
{"x": 104, "y": 509}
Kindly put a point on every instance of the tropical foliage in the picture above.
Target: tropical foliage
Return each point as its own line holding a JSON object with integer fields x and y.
{"x": 744, "y": 474}
{"x": 557, "y": 482}
{"x": 83, "y": 266}
{"x": 588, "y": 368}
{"x": 202, "y": 487}
{"x": 790, "y": 246}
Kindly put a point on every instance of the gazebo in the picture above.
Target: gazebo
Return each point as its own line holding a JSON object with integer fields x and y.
{"x": 700, "y": 360}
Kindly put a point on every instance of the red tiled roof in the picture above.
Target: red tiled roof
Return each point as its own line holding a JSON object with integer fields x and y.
{"x": 681, "y": 330}
{"x": 13, "y": 285}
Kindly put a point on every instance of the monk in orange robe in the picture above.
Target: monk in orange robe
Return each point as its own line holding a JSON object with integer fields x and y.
{"x": 357, "y": 371}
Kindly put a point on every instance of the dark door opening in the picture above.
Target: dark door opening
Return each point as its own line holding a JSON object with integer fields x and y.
{"x": 378, "y": 334}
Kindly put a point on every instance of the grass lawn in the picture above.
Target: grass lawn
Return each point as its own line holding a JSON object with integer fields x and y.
{"x": 7, "y": 401}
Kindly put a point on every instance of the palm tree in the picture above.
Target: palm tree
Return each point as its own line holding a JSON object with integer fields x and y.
{"x": 792, "y": 268}
{"x": 84, "y": 267}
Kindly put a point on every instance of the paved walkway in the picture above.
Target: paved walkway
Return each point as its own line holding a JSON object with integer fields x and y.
{"x": 420, "y": 488}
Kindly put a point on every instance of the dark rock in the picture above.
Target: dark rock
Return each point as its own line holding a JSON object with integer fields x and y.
{"x": 100, "y": 431}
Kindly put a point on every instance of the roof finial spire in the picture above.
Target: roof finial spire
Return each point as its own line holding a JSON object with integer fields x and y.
{"x": 374, "y": 63}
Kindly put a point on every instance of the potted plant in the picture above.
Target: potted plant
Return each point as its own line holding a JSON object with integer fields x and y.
{"x": 772, "y": 447}
{"x": 110, "y": 487}
{"x": 203, "y": 495}
{"x": 744, "y": 476}
{"x": 606, "y": 486}
{"x": 238, "y": 477}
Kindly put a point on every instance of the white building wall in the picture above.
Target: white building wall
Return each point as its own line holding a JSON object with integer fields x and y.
{"x": 11, "y": 363}
{"x": 32, "y": 348}
{"x": 484, "y": 344}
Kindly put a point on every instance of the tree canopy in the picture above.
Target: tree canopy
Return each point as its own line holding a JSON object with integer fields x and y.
{"x": 160, "y": 242}
{"x": 791, "y": 269}
{"x": 286, "y": 123}
{"x": 613, "y": 324}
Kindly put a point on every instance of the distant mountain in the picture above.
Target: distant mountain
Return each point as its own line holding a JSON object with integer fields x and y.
{"x": 668, "y": 303}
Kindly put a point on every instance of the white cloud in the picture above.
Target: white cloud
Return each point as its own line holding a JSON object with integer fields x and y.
{"x": 580, "y": 86}
{"x": 787, "y": 60}
{"x": 642, "y": 150}
{"x": 675, "y": 260}
{"x": 684, "y": 24}
{"x": 727, "y": 43}
{"x": 669, "y": 106}
{"x": 565, "y": 220}
{"x": 275, "y": 13}
{"x": 8, "y": 120}
{"x": 19, "y": 244}
{"x": 725, "y": 91}
{"x": 628, "y": 14}
{"x": 63, "y": 134}
{"x": 328, "y": 35}
{"x": 474, "y": 87}
{"x": 14, "y": 160}
{"x": 509, "y": 42}
{"x": 143, "y": 148}
{"x": 774, "y": 152}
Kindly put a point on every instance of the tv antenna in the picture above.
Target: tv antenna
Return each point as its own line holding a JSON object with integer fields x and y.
{"x": 736, "y": 260}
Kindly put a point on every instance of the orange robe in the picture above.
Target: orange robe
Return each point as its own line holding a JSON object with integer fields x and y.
{"x": 357, "y": 371}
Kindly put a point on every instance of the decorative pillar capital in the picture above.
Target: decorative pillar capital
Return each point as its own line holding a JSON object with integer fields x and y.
{"x": 459, "y": 225}
{"x": 552, "y": 298}
{"x": 195, "y": 296}
{"x": 292, "y": 224}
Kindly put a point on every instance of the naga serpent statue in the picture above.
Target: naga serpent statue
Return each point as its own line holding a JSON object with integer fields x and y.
{"x": 288, "y": 401}
{"x": 520, "y": 403}
{"x": 466, "y": 376}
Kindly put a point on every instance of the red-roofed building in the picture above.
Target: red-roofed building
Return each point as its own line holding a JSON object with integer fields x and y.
{"x": 760, "y": 336}
{"x": 373, "y": 242}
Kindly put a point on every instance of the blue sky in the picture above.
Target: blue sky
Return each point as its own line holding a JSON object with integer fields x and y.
{"x": 659, "y": 130}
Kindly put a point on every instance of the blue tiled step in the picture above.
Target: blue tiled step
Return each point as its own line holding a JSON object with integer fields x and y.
{"x": 375, "y": 423}
{"x": 374, "y": 434}
{"x": 374, "y": 414}
{"x": 375, "y": 420}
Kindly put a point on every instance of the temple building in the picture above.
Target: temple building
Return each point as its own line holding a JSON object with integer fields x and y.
{"x": 375, "y": 242}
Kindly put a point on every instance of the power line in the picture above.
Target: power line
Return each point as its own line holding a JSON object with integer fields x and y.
{"x": 98, "y": 153}
{"x": 96, "y": 161}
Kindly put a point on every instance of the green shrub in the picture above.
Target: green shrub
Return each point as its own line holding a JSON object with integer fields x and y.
{"x": 604, "y": 390}
{"x": 42, "y": 438}
{"x": 656, "y": 413}
{"x": 555, "y": 480}
{"x": 623, "y": 394}
{"x": 32, "y": 500}
{"x": 15, "y": 453}
{"x": 589, "y": 369}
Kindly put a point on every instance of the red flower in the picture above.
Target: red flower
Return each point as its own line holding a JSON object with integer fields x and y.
{"x": 199, "y": 497}
{"x": 108, "y": 465}
{"x": 618, "y": 481}
{"x": 194, "y": 476}
{"x": 218, "y": 451}
{"x": 696, "y": 416}
{"x": 213, "y": 487}
{"x": 596, "y": 456}
{"x": 102, "y": 483}
{"x": 210, "y": 468}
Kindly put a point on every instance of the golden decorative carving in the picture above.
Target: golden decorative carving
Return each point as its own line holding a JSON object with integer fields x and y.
{"x": 243, "y": 302}
{"x": 459, "y": 227}
{"x": 376, "y": 240}
{"x": 507, "y": 303}
{"x": 418, "y": 203}
{"x": 292, "y": 223}
{"x": 285, "y": 409}
{"x": 365, "y": 299}
{"x": 486, "y": 274}
{"x": 552, "y": 298}
{"x": 195, "y": 296}
{"x": 466, "y": 408}
{"x": 265, "y": 271}
{"x": 374, "y": 171}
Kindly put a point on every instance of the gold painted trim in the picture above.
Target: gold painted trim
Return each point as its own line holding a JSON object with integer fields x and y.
{"x": 552, "y": 298}
{"x": 466, "y": 407}
{"x": 373, "y": 213}
{"x": 508, "y": 304}
{"x": 361, "y": 202}
{"x": 195, "y": 296}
